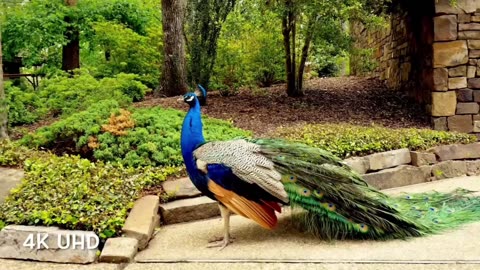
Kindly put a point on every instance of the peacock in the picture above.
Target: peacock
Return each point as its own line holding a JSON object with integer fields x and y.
{"x": 254, "y": 178}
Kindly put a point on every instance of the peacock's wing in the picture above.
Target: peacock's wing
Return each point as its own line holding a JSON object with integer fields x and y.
{"x": 242, "y": 179}
{"x": 339, "y": 203}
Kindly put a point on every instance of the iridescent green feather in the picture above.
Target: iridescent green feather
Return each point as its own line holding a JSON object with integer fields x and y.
{"x": 339, "y": 204}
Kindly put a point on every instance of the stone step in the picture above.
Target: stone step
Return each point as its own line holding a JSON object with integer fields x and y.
{"x": 142, "y": 219}
{"x": 189, "y": 210}
{"x": 181, "y": 188}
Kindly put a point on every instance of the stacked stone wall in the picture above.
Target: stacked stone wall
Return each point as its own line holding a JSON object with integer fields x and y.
{"x": 456, "y": 62}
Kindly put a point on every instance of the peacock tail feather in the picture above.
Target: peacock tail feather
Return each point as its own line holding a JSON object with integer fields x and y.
{"x": 339, "y": 204}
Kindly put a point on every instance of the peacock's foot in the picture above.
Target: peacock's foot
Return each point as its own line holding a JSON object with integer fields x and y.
{"x": 219, "y": 239}
{"x": 222, "y": 243}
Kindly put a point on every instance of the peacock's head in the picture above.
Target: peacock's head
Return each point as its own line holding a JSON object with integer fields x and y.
{"x": 200, "y": 94}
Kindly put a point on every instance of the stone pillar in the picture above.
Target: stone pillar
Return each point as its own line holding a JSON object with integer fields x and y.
{"x": 456, "y": 76}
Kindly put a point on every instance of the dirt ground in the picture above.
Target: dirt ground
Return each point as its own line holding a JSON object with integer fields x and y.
{"x": 327, "y": 100}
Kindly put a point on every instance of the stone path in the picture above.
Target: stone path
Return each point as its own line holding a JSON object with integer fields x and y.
{"x": 9, "y": 178}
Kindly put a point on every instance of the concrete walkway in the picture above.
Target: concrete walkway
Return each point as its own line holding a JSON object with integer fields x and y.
{"x": 9, "y": 178}
{"x": 186, "y": 242}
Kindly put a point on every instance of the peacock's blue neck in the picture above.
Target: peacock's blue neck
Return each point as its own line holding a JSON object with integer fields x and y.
{"x": 191, "y": 138}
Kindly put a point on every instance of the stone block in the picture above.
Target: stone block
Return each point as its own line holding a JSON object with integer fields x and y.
{"x": 469, "y": 35}
{"x": 471, "y": 71}
{"x": 457, "y": 83}
{"x": 475, "y": 18}
{"x": 446, "y": 7}
{"x": 448, "y": 54}
{"x": 465, "y": 95}
{"x": 181, "y": 188}
{"x": 439, "y": 123}
{"x": 445, "y": 27}
{"x": 469, "y": 26}
{"x": 389, "y": 159}
{"x": 457, "y": 151}
{"x": 473, "y": 167}
{"x": 396, "y": 177}
{"x": 359, "y": 164}
{"x": 467, "y": 108}
{"x": 474, "y": 54}
{"x": 473, "y": 62}
{"x": 464, "y": 18}
{"x": 449, "y": 169}
{"x": 61, "y": 246}
{"x": 460, "y": 71}
{"x": 474, "y": 83}
{"x": 422, "y": 158}
{"x": 119, "y": 250}
{"x": 141, "y": 220}
{"x": 444, "y": 103}
{"x": 460, "y": 123}
{"x": 476, "y": 95}
{"x": 476, "y": 126}
{"x": 474, "y": 44}
{"x": 189, "y": 210}
{"x": 440, "y": 79}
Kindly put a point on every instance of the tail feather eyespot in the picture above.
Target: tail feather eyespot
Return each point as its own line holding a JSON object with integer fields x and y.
{"x": 318, "y": 194}
{"x": 305, "y": 192}
{"x": 329, "y": 206}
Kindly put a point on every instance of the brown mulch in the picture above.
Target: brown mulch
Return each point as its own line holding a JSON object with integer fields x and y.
{"x": 352, "y": 100}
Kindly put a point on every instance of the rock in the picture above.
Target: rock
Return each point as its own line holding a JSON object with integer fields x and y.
{"x": 449, "y": 169}
{"x": 473, "y": 62}
{"x": 141, "y": 220}
{"x": 189, "y": 210}
{"x": 403, "y": 175}
{"x": 467, "y": 108}
{"x": 460, "y": 123}
{"x": 427, "y": 172}
{"x": 469, "y": 35}
{"x": 465, "y": 95}
{"x": 464, "y": 18}
{"x": 439, "y": 123}
{"x": 445, "y": 27}
{"x": 475, "y": 18}
{"x": 476, "y": 126}
{"x": 474, "y": 54}
{"x": 473, "y": 167}
{"x": 389, "y": 159}
{"x": 119, "y": 250}
{"x": 459, "y": 7}
{"x": 474, "y": 44}
{"x": 468, "y": 26}
{"x": 62, "y": 246}
{"x": 471, "y": 71}
{"x": 447, "y": 54}
{"x": 181, "y": 188}
{"x": 444, "y": 103}
{"x": 457, "y": 83}
{"x": 440, "y": 79}
{"x": 474, "y": 83}
{"x": 476, "y": 96}
{"x": 460, "y": 71}
{"x": 421, "y": 158}
{"x": 457, "y": 151}
{"x": 9, "y": 179}
{"x": 358, "y": 164}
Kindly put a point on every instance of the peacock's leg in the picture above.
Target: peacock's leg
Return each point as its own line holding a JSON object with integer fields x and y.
{"x": 226, "y": 239}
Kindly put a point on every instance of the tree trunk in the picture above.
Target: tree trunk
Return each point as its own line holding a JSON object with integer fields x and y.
{"x": 71, "y": 50}
{"x": 173, "y": 79}
{"x": 289, "y": 35}
{"x": 303, "y": 58}
{"x": 3, "y": 100}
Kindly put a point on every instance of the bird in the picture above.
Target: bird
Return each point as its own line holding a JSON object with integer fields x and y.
{"x": 256, "y": 178}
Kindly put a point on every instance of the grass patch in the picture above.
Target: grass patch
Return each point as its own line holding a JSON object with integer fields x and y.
{"x": 345, "y": 140}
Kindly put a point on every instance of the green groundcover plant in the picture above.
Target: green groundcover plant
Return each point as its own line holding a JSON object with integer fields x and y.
{"x": 345, "y": 140}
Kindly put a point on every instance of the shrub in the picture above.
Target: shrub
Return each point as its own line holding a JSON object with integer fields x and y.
{"x": 345, "y": 140}
{"x": 24, "y": 105}
{"x": 66, "y": 95}
{"x": 154, "y": 138}
{"x": 13, "y": 155}
{"x": 129, "y": 84}
{"x": 74, "y": 193}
